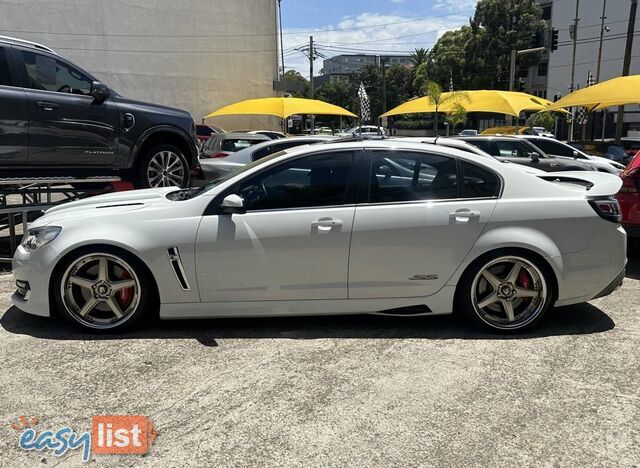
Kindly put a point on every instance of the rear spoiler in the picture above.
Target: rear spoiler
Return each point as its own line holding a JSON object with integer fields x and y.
{"x": 597, "y": 184}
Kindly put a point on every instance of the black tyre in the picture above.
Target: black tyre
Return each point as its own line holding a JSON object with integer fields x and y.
{"x": 162, "y": 166}
{"x": 506, "y": 291}
{"x": 103, "y": 290}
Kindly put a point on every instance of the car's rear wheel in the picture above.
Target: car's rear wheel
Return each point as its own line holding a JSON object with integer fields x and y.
{"x": 163, "y": 166}
{"x": 102, "y": 290}
{"x": 507, "y": 292}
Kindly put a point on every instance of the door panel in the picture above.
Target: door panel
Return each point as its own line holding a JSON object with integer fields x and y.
{"x": 423, "y": 214}
{"x": 293, "y": 241}
{"x": 14, "y": 115}
{"x": 411, "y": 250}
{"x": 274, "y": 255}
{"x": 67, "y": 126}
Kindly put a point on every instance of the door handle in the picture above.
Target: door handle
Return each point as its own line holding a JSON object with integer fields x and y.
{"x": 464, "y": 215}
{"x": 46, "y": 105}
{"x": 325, "y": 224}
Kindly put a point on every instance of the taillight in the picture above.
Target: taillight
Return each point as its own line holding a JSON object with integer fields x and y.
{"x": 214, "y": 156}
{"x": 607, "y": 208}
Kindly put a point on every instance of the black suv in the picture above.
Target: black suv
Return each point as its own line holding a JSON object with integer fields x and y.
{"x": 58, "y": 120}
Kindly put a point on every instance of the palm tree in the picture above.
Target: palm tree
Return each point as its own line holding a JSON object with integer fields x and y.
{"x": 434, "y": 92}
{"x": 418, "y": 57}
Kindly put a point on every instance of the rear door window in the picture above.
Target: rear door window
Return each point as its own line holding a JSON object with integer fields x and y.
{"x": 553, "y": 148}
{"x": 401, "y": 176}
{"x": 5, "y": 72}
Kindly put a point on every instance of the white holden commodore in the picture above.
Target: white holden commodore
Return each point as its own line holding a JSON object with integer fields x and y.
{"x": 387, "y": 227}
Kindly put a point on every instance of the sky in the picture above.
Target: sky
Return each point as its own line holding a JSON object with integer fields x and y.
{"x": 372, "y": 26}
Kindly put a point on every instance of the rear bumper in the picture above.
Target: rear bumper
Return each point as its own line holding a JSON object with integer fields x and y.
{"x": 615, "y": 284}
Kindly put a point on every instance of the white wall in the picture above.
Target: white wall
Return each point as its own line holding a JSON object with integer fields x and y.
{"x": 193, "y": 54}
{"x": 563, "y": 12}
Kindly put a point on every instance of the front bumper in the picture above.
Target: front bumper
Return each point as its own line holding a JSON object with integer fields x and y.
{"x": 33, "y": 268}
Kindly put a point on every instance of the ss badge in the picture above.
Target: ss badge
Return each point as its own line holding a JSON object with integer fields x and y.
{"x": 423, "y": 277}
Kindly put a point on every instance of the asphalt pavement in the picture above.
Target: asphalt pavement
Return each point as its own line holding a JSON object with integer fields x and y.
{"x": 337, "y": 391}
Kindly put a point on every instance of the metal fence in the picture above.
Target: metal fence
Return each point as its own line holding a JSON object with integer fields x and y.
{"x": 22, "y": 200}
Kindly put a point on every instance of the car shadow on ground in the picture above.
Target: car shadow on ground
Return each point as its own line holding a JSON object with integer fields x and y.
{"x": 580, "y": 319}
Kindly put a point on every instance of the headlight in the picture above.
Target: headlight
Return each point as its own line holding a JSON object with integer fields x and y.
{"x": 37, "y": 237}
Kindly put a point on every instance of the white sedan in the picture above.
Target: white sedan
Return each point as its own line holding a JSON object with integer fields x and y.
{"x": 362, "y": 227}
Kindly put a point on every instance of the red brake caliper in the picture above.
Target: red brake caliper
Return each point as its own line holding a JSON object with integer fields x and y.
{"x": 524, "y": 279}
{"x": 125, "y": 295}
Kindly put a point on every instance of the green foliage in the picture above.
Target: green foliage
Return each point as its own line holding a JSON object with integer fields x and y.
{"x": 478, "y": 56}
{"x": 419, "y": 56}
{"x": 457, "y": 117}
{"x": 399, "y": 81}
{"x": 543, "y": 119}
{"x": 294, "y": 80}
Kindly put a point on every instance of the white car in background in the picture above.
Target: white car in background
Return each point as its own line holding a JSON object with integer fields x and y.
{"x": 380, "y": 226}
{"x": 365, "y": 131}
{"x": 214, "y": 168}
{"x": 469, "y": 148}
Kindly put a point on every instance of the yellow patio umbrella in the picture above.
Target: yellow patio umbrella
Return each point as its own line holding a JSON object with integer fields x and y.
{"x": 610, "y": 93}
{"x": 281, "y": 107}
{"x": 500, "y": 102}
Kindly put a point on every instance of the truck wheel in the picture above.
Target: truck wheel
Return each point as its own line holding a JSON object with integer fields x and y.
{"x": 162, "y": 166}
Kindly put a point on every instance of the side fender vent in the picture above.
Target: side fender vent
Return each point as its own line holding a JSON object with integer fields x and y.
{"x": 176, "y": 263}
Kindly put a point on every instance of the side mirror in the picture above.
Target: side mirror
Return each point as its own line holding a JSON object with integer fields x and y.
{"x": 99, "y": 91}
{"x": 233, "y": 204}
{"x": 575, "y": 154}
{"x": 535, "y": 157}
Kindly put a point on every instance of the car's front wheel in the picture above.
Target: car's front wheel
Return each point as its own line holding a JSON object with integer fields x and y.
{"x": 506, "y": 292}
{"x": 163, "y": 166}
{"x": 102, "y": 290}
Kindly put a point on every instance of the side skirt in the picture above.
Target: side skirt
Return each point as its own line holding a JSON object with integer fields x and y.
{"x": 438, "y": 304}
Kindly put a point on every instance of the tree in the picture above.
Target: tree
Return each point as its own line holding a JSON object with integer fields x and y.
{"x": 434, "y": 92}
{"x": 371, "y": 77}
{"x": 478, "y": 55}
{"x": 339, "y": 93}
{"x": 399, "y": 83}
{"x": 420, "y": 78}
{"x": 506, "y": 25}
{"x": 418, "y": 57}
{"x": 296, "y": 84}
{"x": 457, "y": 116}
{"x": 543, "y": 119}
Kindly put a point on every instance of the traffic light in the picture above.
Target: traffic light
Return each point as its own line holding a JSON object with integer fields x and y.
{"x": 537, "y": 38}
{"x": 553, "y": 43}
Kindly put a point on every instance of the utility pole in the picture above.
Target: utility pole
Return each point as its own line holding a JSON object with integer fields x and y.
{"x": 512, "y": 69}
{"x": 602, "y": 18}
{"x": 573, "y": 65}
{"x": 627, "y": 63}
{"x": 312, "y": 56}
{"x": 383, "y": 64}
{"x": 281, "y": 43}
{"x": 603, "y": 112}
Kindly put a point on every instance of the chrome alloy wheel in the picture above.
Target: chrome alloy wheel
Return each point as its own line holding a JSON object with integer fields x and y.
{"x": 100, "y": 290}
{"x": 166, "y": 169}
{"x": 509, "y": 292}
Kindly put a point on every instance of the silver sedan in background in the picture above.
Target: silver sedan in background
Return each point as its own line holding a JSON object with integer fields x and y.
{"x": 214, "y": 168}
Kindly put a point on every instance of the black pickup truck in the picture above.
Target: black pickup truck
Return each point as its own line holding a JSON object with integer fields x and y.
{"x": 58, "y": 120}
